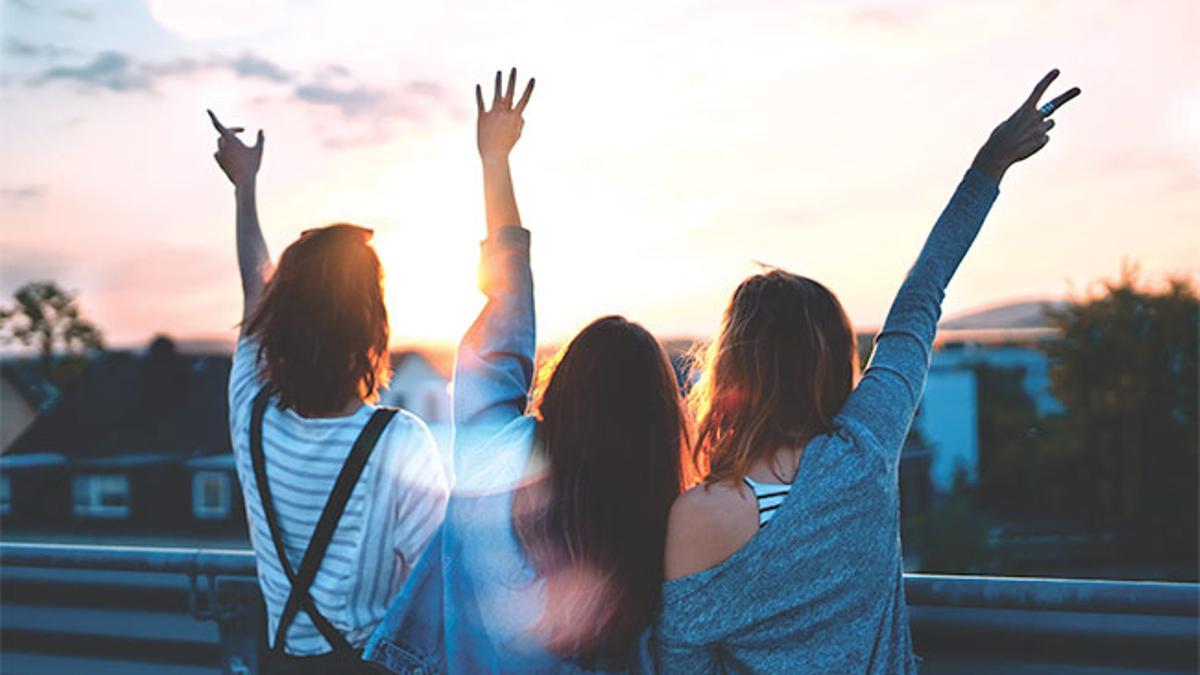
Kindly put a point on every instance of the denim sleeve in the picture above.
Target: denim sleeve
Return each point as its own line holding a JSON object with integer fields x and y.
{"x": 885, "y": 401}
{"x": 493, "y": 370}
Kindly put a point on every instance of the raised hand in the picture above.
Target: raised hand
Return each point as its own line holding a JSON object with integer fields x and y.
{"x": 498, "y": 129}
{"x": 239, "y": 161}
{"x": 1023, "y": 133}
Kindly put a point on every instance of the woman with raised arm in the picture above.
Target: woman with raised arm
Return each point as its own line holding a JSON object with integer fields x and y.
{"x": 341, "y": 495}
{"x": 787, "y": 558}
{"x": 552, "y": 550}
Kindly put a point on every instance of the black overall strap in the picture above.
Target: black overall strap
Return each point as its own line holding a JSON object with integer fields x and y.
{"x": 330, "y": 633}
{"x": 301, "y": 581}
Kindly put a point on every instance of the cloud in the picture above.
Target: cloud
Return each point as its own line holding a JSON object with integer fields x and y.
{"x": 352, "y": 98}
{"x": 19, "y": 48}
{"x": 376, "y": 111}
{"x": 332, "y": 87}
{"x": 22, "y": 193}
{"x": 108, "y": 70}
{"x": 333, "y": 70}
{"x": 77, "y": 12}
{"x": 116, "y": 71}
{"x": 249, "y": 66}
{"x": 351, "y": 101}
{"x": 165, "y": 69}
{"x": 84, "y": 14}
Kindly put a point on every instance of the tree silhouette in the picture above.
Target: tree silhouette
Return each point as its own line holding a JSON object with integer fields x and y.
{"x": 1017, "y": 477}
{"x": 48, "y": 318}
{"x": 1126, "y": 370}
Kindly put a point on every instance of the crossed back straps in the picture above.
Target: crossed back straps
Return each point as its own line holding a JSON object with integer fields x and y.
{"x": 301, "y": 580}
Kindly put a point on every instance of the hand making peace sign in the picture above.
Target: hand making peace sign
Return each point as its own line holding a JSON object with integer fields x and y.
{"x": 1024, "y": 132}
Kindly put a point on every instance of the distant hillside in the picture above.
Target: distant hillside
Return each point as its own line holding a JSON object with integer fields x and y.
{"x": 202, "y": 345}
{"x": 1025, "y": 314}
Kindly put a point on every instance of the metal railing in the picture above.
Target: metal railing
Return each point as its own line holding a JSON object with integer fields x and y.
{"x": 1128, "y": 624}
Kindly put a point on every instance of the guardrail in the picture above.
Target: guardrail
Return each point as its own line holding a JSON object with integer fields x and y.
{"x": 955, "y": 619}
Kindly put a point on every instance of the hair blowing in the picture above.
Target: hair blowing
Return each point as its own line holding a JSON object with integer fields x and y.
{"x": 613, "y": 432}
{"x": 321, "y": 324}
{"x": 781, "y": 366}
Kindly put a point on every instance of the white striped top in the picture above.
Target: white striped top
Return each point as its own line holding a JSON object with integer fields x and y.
{"x": 770, "y": 497}
{"x": 395, "y": 507}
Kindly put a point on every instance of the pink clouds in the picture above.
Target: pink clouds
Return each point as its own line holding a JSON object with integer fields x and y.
{"x": 673, "y": 144}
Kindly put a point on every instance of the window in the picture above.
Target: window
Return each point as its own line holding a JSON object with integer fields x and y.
{"x": 5, "y": 495}
{"x": 210, "y": 495}
{"x": 101, "y": 496}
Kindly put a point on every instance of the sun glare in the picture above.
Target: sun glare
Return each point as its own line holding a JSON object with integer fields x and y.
{"x": 428, "y": 221}
{"x": 431, "y": 298}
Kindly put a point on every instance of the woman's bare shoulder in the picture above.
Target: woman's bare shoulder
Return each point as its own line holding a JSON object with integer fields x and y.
{"x": 708, "y": 524}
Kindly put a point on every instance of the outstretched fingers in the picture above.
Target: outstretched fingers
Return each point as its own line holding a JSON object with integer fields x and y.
{"x": 1058, "y": 101}
{"x": 1040, "y": 89}
{"x": 502, "y": 95}
{"x": 1066, "y": 96}
{"x": 217, "y": 124}
{"x": 228, "y": 134}
{"x": 512, "y": 85}
{"x": 525, "y": 96}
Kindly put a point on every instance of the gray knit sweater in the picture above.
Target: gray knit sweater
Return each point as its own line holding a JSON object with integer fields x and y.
{"x": 821, "y": 590}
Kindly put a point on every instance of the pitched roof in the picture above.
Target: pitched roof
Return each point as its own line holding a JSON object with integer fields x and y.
{"x": 26, "y": 376}
{"x": 154, "y": 403}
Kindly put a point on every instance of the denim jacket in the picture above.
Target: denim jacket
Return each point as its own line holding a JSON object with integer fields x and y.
{"x": 472, "y": 600}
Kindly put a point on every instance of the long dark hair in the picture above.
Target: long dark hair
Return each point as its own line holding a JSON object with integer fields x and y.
{"x": 613, "y": 432}
{"x": 781, "y": 366}
{"x": 321, "y": 324}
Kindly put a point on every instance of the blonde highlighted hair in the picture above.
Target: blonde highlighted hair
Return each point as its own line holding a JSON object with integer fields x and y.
{"x": 782, "y": 364}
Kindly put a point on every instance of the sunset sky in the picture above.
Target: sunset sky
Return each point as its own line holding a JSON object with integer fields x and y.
{"x": 668, "y": 147}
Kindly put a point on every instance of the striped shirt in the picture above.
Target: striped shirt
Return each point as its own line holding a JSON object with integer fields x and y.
{"x": 394, "y": 509}
{"x": 769, "y": 496}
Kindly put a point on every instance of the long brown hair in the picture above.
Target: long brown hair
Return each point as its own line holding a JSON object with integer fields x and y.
{"x": 614, "y": 434}
{"x": 781, "y": 366}
{"x": 321, "y": 324}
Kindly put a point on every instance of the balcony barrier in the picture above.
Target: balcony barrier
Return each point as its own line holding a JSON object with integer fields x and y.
{"x": 128, "y": 607}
